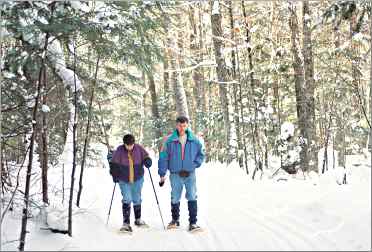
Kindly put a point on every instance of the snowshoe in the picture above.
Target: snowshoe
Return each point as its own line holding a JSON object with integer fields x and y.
{"x": 126, "y": 228}
{"x": 140, "y": 223}
{"x": 193, "y": 228}
{"x": 173, "y": 224}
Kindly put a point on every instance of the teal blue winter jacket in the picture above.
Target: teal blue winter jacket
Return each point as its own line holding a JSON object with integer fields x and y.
{"x": 170, "y": 157}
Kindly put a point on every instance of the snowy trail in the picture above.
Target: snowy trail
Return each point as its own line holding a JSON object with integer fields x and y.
{"x": 237, "y": 214}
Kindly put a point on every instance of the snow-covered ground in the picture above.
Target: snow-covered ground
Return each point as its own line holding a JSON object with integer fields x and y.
{"x": 236, "y": 212}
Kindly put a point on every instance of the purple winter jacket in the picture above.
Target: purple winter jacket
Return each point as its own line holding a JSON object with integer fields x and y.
{"x": 120, "y": 162}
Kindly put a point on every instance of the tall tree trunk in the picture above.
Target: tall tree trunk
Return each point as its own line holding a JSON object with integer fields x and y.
{"x": 177, "y": 81}
{"x": 235, "y": 89}
{"x": 44, "y": 137}
{"x": 144, "y": 111}
{"x": 181, "y": 52}
{"x": 87, "y": 134}
{"x": 255, "y": 138}
{"x": 197, "y": 74}
{"x": 1, "y": 118}
{"x": 154, "y": 107}
{"x": 241, "y": 111}
{"x": 44, "y": 133}
{"x": 202, "y": 93}
{"x": 370, "y": 91}
{"x": 309, "y": 87}
{"x": 22, "y": 239}
{"x": 275, "y": 37}
{"x": 70, "y": 203}
{"x": 222, "y": 74}
{"x": 340, "y": 133}
{"x": 166, "y": 75}
{"x": 103, "y": 129}
{"x": 299, "y": 84}
{"x": 355, "y": 72}
{"x": 167, "y": 92}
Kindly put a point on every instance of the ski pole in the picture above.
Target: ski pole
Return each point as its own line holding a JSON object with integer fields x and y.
{"x": 113, "y": 192}
{"x": 156, "y": 197}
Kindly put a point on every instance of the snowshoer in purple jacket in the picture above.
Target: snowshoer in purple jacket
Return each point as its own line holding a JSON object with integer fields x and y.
{"x": 127, "y": 169}
{"x": 181, "y": 154}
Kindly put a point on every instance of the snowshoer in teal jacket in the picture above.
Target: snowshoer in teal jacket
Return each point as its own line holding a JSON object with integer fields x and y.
{"x": 181, "y": 154}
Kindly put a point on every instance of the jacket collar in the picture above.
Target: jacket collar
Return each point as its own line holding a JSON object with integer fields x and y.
{"x": 125, "y": 149}
{"x": 175, "y": 137}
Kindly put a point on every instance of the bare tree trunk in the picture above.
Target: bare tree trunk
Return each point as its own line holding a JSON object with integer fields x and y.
{"x": 103, "y": 129}
{"x": 70, "y": 203}
{"x": 177, "y": 81}
{"x": 299, "y": 83}
{"x": 22, "y": 239}
{"x": 241, "y": 110}
{"x": 370, "y": 91}
{"x": 340, "y": 133}
{"x": 44, "y": 137}
{"x": 202, "y": 93}
{"x": 197, "y": 74}
{"x": 167, "y": 76}
{"x": 255, "y": 139}
{"x": 222, "y": 74}
{"x": 154, "y": 107}
{"x": 1, "y": 118}
{"x": 87, "y": 134}
{"x": 235, "y": 90}
{"x": 309, "y": 86}
{"x": 144, "y": 110}
{"x": 275, "y": 37}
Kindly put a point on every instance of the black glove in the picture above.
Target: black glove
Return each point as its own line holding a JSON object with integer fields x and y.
{"x": 161, "y": 183}
{"x": 147, "y": 162}
{"x": 115, "y": 179}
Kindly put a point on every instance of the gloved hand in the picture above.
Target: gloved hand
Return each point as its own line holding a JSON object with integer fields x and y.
{"x": 147, "y": 162}
{"x": 115, "y": 179}
{"x": 162, "y": 181}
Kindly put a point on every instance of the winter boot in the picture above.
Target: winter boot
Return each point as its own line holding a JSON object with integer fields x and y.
{"x": 126, "y": 228}
{"x": 193, "y": 210}
{"x": 126, "y": 219}
{"x": 194, "y": 228}
{"x": 126, "y": 213}
{"x": 137, "y": 214}
{"x": 175, "y": 208}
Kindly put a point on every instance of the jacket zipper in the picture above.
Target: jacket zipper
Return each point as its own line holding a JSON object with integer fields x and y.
{"x": 181, "y": 156}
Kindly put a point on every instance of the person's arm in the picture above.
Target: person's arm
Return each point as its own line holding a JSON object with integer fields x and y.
{"x": 114, "y": 165}
{"x": 200, "y": 155}
{"x": 146, "y": 159}
{"x": 163, "y": 160}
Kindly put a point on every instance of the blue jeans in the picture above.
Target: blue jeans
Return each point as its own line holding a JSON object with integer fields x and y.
{"x": 131, "y": 192}
{"x": 177, "y": 183}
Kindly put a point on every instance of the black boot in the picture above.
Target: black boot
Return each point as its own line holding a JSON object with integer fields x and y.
{"x": 137, "y": 214}
{"x": 126, "y": 213}
{"x": 175, "y": 208}
{"x": 193, "y": 210}
{"x": 137, "y": 211}
{"x": 126, "y": 218}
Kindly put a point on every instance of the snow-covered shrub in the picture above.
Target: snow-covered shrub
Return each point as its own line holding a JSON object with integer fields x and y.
{"x": 289, "y": 148}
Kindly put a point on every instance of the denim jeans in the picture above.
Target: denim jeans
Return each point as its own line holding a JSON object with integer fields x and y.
{"x": 177, "y": 183}
{"x": 131, "y": 192}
